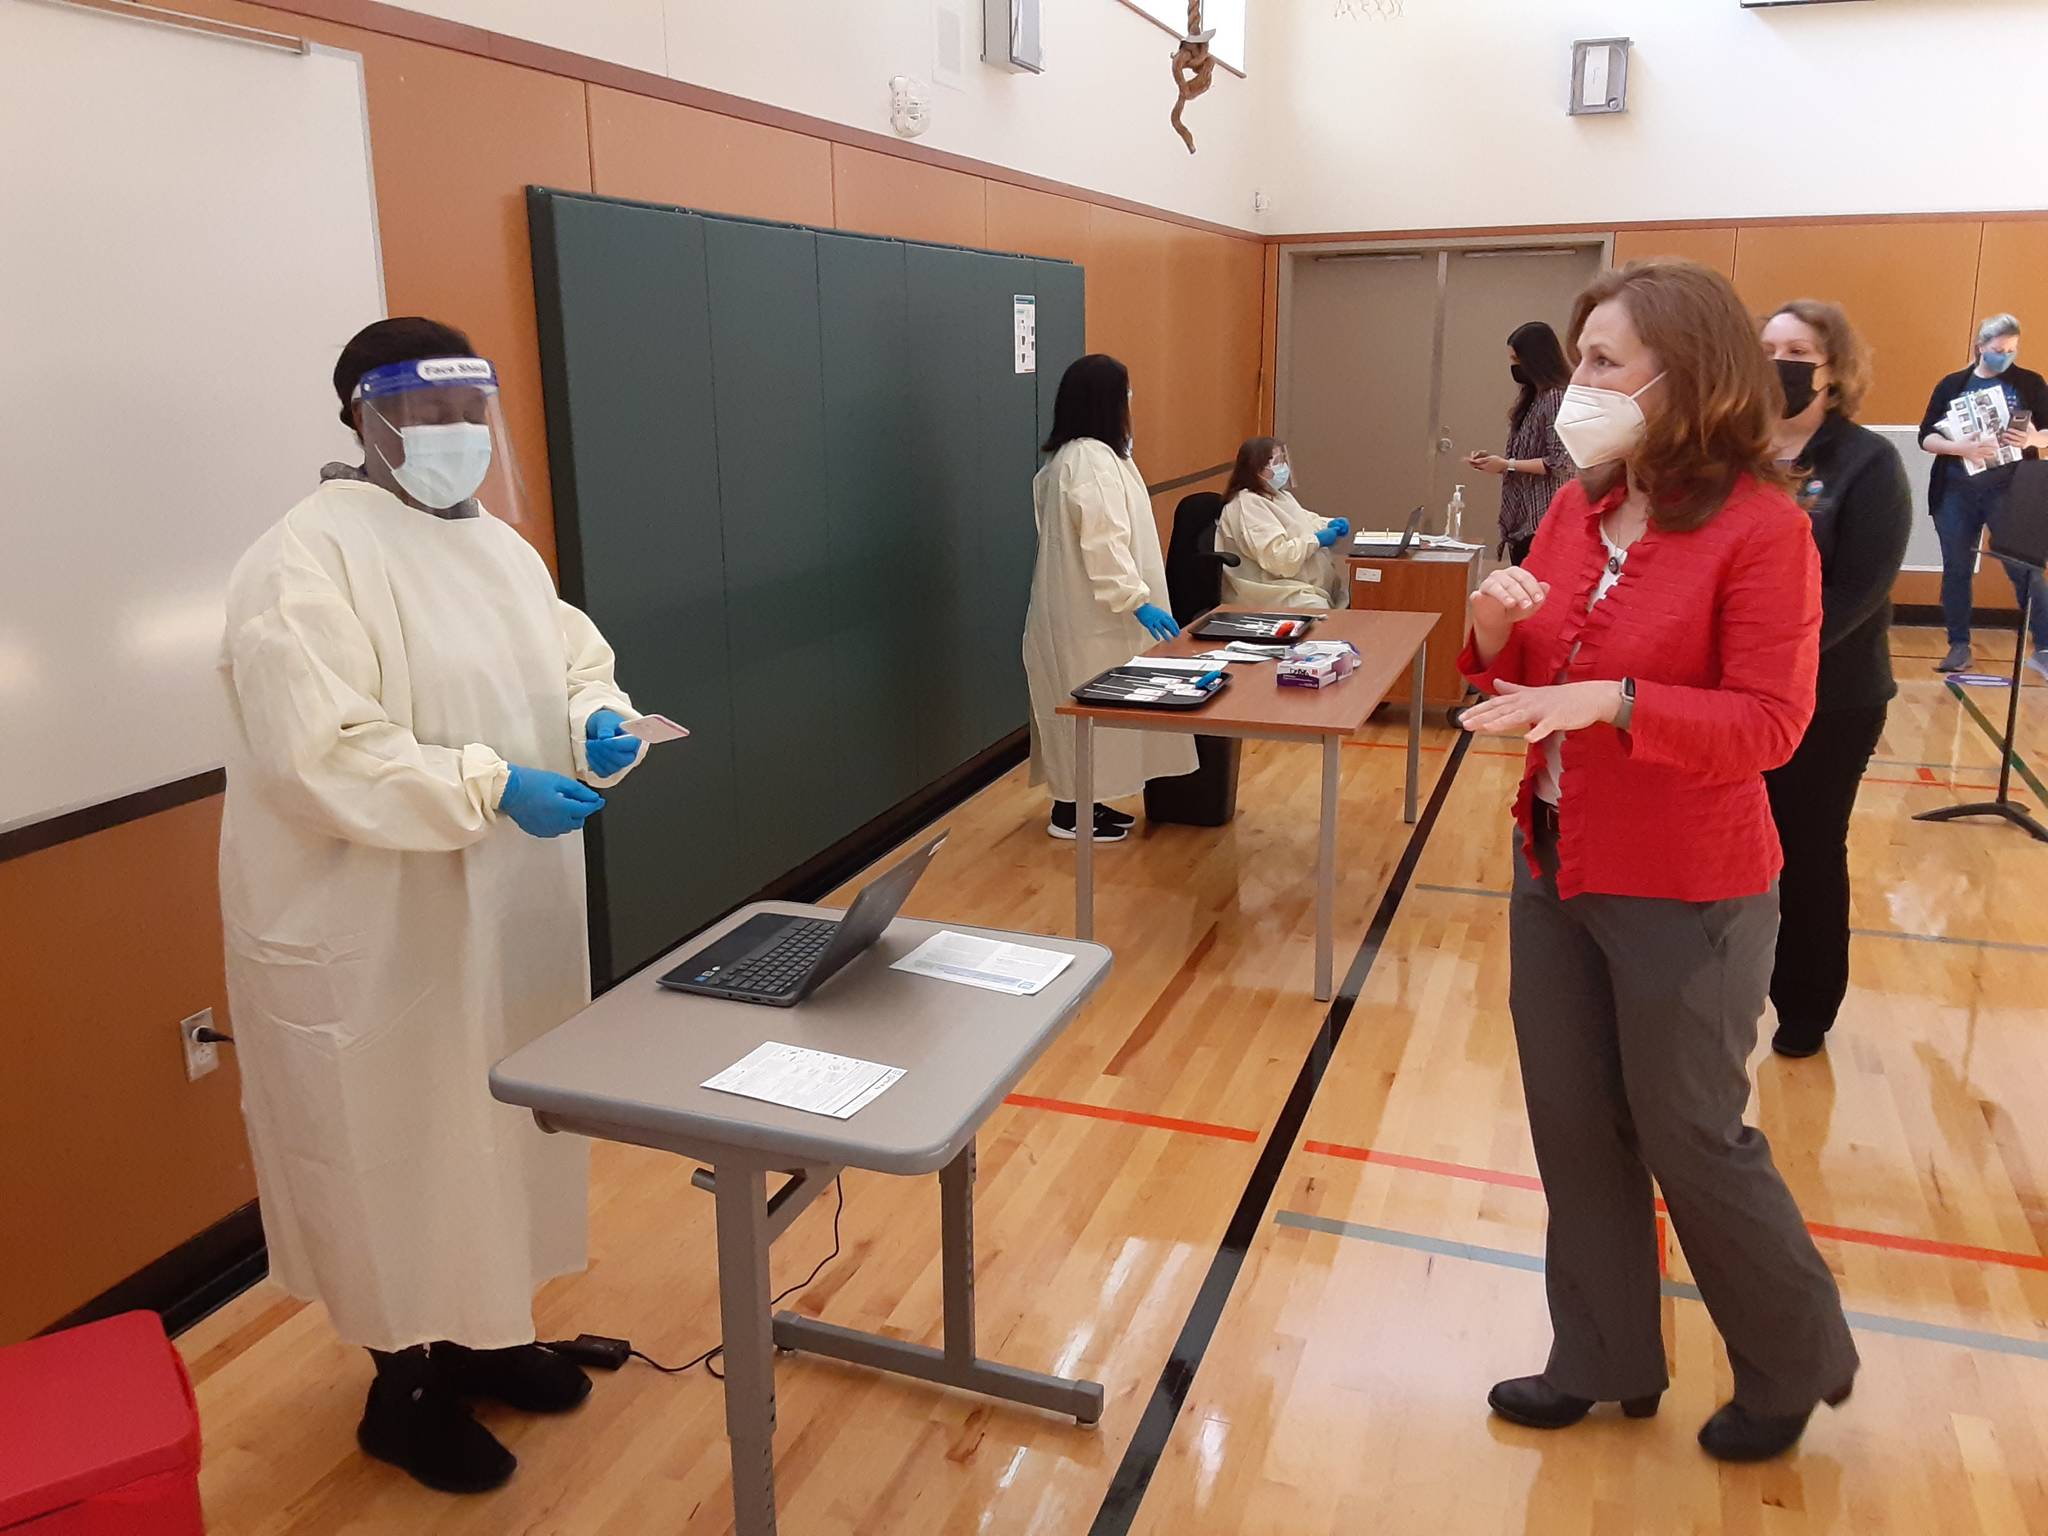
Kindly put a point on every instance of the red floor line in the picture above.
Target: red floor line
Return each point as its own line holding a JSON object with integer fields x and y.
{"x": 1133, "y": 1117}
{"x": 1891, "y": 1240}
{"x": 1927, "y": 783}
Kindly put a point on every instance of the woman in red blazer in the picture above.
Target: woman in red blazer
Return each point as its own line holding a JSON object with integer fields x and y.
{"x": 1658, "y": 650}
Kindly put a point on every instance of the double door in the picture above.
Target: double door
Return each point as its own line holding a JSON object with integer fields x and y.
{"x": 1394, "y": 368}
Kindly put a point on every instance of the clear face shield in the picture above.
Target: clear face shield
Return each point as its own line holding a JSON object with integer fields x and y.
{"x": 434, "y": 435}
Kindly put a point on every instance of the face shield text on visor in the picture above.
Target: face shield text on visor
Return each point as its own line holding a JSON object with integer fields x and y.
{"x": 433, "y": 431}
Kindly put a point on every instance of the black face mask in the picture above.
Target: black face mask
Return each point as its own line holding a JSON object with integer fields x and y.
{"x": 1796, "y": 378}
{"x": 1518, "y": 373}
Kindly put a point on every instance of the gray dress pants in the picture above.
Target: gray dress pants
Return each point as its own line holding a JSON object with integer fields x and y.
{"x": 1635, "y": 1019}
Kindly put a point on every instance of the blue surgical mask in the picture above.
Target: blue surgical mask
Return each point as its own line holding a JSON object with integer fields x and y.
{"x": 1279, "y": 475}
{"x": 1996, "y": 362}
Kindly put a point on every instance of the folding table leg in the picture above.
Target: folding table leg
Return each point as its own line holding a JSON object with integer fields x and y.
{"x": 741, "y": 1195}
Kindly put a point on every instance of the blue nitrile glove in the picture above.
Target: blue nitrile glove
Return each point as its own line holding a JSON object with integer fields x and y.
{"x": 1342, "y": 525}
{"x": 607, "y": 746}
{"x": 548, "y": 804}
{"x": 1157, "y": 621}
{"x": 1337, "y": 528}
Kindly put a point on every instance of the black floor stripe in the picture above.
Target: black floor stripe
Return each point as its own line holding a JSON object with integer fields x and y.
{"x": 1141, "y": 1457}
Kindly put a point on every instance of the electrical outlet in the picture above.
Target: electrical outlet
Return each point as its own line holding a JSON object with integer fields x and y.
{"x": 201, "y": 1056}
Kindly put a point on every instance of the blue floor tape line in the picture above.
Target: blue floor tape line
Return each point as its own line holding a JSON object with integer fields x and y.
{"x": 1504, "y": 1258}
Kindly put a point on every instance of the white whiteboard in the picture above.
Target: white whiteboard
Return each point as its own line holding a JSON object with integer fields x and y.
{"x": 187, "y": 237}
{"x": 1923, "y": 546}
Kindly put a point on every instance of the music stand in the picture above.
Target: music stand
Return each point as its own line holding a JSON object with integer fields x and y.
{"x": 2019, "y": 536}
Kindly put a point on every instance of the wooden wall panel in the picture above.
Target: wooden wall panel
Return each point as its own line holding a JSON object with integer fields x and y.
{"x": 2012, "y": 275}
{"x": 108, "y": 1157}
{"x": 665, "y": 153}
{"x": 1910, "y": 288}
{"x": 1129, "y": 316}
{"x": 1232, "y": 301}
{"x": 1269, "y": 342}
{"x": 457, "y": 140}
{"x": 1710, "y": 247}
{"x": 1038, "y": 223}
{"x": 879, "y": 194}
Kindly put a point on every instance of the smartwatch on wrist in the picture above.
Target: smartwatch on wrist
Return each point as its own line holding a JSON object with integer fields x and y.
{"x": 1627, "y": 712}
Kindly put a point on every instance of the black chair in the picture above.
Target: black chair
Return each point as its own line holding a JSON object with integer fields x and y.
{"x": 1194, "y": 584}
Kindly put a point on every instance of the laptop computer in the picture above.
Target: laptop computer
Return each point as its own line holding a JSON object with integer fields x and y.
{"x": 1380, "y": 549}
{"x": 779, "y": 960}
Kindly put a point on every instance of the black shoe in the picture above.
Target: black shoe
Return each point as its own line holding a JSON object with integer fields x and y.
{"x": 1799, "y": 1041}
{"x": 1736, "y": 1434}
{"x": 529, "y": 1377}
{"x": 1534, "y": 1403}
{"x": 427, "y": 1431}
{"x": 1117, "y": 818}
{"x": 1062, "y": 824}
{"x": 1957, "y": 659}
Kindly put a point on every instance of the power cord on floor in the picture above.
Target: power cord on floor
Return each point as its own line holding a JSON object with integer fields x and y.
{"x": 608, "y": 1354}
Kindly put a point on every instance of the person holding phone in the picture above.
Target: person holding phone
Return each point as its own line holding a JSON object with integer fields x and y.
{"x": 1535, "y": 467}
{"x": 1967, "y": 487}
{"x": 1098, "y": 595}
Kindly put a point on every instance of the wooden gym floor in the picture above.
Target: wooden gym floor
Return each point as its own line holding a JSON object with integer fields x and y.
{"x": 1297, "y": 1243}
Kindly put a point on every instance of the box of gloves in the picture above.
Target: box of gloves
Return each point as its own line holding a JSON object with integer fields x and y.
{"x": 1317, "y": 664}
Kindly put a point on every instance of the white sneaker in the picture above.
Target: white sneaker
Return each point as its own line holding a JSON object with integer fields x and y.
{"x": 2038, "y": 663}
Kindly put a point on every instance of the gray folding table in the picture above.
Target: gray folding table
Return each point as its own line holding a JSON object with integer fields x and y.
{"x": 629, "y": 1068}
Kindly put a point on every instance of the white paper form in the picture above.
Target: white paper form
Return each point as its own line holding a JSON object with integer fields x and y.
{"x": 816, "y": 1082}
{"x": 987, "y": 963}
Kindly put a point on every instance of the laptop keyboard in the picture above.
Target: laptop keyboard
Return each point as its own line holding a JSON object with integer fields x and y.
{"x": 783, "y": 966}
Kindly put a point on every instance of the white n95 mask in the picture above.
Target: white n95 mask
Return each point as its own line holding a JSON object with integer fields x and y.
{"x": 445, "y": 464}
{"x": 1598, "y": 426}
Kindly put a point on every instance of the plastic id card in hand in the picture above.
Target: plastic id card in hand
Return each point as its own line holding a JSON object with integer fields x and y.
{"x": 655, "y": 729}
{"x": 987, "y": 963}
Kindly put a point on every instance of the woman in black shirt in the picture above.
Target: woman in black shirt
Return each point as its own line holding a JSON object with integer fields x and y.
{"x": 1535, "y": 467}
{"x": 1853, "y": 486}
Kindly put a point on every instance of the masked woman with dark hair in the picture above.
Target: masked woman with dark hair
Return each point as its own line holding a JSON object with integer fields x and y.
{"x": 1098, "y": 594}
{"x": 1535, "y": 467}
{"x": 1287, "y": 557}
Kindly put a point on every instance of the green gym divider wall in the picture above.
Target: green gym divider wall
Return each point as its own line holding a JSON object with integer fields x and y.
{"x": 792, "y": 483}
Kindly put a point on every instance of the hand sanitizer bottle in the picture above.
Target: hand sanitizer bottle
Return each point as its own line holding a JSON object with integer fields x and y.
{"x": 1454, "y": 515}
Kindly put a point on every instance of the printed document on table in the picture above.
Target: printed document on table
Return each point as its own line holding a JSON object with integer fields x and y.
{"x": 989, "y": 963}
{"x": 816, "y": 1082}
